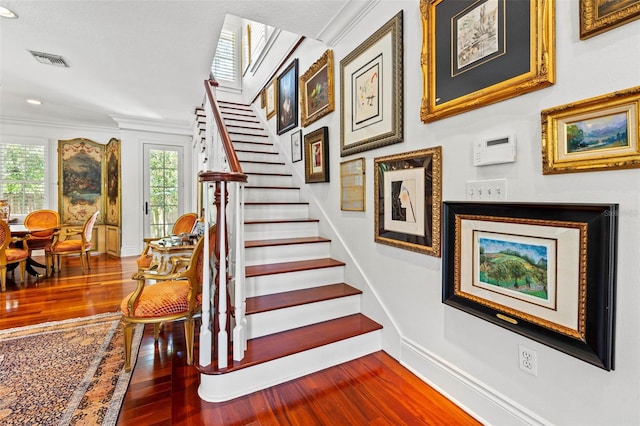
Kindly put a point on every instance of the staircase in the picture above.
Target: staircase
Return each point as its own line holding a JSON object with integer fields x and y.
{"x": 301, "y": 315}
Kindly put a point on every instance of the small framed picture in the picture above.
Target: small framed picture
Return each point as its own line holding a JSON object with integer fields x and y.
{"x": 316, "y": 152}
{"x": 600, "y": 133}
{"x": 288, "y": 98}
{"x": 296, "y": 146}
{"x": 352, "y": 185}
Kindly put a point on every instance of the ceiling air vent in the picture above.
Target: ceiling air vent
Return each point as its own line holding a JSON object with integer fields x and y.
{"x": 49, "y": 59}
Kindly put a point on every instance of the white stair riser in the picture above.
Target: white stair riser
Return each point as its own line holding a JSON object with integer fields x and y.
{"x": 286, "y": 253}
{"x": 276, "y": 211}
{"x": 258, "y": 156}
{"x": 270, "y": 180}
{"x": 223, "y": 387}
{"x": 289, "y": 281}
{"x": 263, "y": 168}
{"x": 247, "y": 146}
{"x": 278, "y": 320}
{"x": 237, "y": 137}
{"x": 274, "y": 195}
{"x": 266, "y": 231}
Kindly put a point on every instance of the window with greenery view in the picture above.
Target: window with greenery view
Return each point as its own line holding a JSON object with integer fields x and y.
{"x": 163, "y": 185}
{"x": 22, "y": 176}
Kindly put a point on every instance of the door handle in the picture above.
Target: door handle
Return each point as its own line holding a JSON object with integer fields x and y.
{"x": 146, "y": 207}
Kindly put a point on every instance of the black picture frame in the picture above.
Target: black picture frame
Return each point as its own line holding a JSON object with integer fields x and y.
{"x": 287, "y": 106}
{"x": 582, "y": 255}
{"x": 296, "y": 146}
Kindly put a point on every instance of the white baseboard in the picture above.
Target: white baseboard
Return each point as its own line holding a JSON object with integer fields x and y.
{"x": 475, "y": 397}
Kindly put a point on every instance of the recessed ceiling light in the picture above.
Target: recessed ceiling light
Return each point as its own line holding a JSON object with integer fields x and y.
{"x": 34, "y": 102}
{"x": 7, "y": 13}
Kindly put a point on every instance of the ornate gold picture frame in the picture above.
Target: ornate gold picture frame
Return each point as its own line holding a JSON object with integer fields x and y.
{"x": 597, "y": 16}
{"x": 599, "y": 133}
{"x": 408, "y": 195}
{"x": 317, "y": 89}
{"x": 493, "y": 50}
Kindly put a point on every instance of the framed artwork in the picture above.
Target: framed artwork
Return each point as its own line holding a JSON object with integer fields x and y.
{"x": 316, "y": 153}
{"x": 546, "y": 271}
{"x": 112, "y": 182}
{"x": 263, "y": 98}
{"x": 288, "y": 98}
{"x": 296, "y": 146}
{"x": 478, "y": 53}
{"x": 599, "y": 133}
{"x": 597, "y": 16}
{"x": 80, "y": 184}
{"x": 408, "y": 191}
{"x": 246, "y": 50}
{"x": 352, "y": 185}
{"x": 371, "y": 91}
{"x": 316, "y": 89}
{"x": 270, "y": 99}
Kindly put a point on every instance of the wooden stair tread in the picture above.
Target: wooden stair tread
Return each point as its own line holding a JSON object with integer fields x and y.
{"x": 268, "y": 174}
{"x": 279, "y": 345}
{"x": 285, "y": 242}
{"x": 287, "y": 299}
{"x": 261, "y": 143}
{"x": 271, "y": 187}
{"x": 300, "y": 265}
{"x": 248, "y": 151}
{"x": 279, "y": 163}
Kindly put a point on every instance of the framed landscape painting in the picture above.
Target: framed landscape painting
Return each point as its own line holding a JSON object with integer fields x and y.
{"x": 599, "y": 133}
{"x": 478, "y": 53}
{"x": 546, "y": 271}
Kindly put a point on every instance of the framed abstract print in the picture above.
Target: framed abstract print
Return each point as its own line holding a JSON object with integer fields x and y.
{"x": 296, "y": 146}
{"x": 371, "y": 91}
{"x": 287, "y": 88}
{"x": 316, "y": 154}
{"x": 408, "y": 193}
{"x": 316, "y": 89}
{"x": 599, "y": 133}
{"x": 478, "y": 52}
{"x": 546, "y": 271}
{"x": 598, "y": 16}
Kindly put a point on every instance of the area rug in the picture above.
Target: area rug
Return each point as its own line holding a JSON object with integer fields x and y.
{"x": 64, "y": 373}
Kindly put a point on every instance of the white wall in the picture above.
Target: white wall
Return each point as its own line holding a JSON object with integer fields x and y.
{"x": 471, "y": 360}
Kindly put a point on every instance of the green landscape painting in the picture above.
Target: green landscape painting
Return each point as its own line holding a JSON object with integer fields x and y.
{"x": 597, "y": 133}
{"x": 513, "y": 266}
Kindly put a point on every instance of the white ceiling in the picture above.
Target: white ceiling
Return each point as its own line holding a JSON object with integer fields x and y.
{"x": 144, "y": 59}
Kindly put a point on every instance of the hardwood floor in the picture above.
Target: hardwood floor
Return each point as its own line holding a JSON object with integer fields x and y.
{"x": 373, "y": 390}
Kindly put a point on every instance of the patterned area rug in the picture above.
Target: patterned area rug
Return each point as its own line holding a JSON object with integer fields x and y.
{"x": 64, "y": 373}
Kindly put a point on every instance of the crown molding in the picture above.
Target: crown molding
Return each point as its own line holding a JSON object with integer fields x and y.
{"x": 345, "y": 20}
{"x": 156, "y": 126}
{"x": 62, "y": 125}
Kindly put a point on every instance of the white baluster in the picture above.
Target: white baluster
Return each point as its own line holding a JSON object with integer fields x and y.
{"x": 222, "y": 280}
{"x": 239, "y": 332}
{"x": 205, "y": 331}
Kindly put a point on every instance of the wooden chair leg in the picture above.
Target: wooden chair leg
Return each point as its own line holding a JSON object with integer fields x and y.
{"x": 188, "y": 337}
{"x": 88, "y": 254}
{"x": 3, "y": 278}
{"x": 23, "y": 271}
{"x": 156, "y": 331}
{"x": 127, "y": 331}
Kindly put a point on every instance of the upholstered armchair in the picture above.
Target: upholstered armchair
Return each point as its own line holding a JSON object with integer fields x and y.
{"x": 42, "y": 226}
{"x": 10, "y": 255}
{"x": 72, "y": 242}
{"x": 163, "y": 298}
{"x": 184, "y": 224}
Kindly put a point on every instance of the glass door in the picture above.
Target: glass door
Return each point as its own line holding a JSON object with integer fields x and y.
{"x": 163, "y": 184}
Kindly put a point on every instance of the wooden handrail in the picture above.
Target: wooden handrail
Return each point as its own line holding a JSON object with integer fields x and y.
{"x": 232, "y": 158}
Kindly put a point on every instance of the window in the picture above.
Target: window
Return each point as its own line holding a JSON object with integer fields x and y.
{"x": 225, "y": 67}
{"x": 22, "y": 176}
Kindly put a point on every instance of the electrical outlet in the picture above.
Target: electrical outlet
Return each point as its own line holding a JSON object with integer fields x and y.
{"x": 528, "y": 360}
{"x": 486, "y": 190}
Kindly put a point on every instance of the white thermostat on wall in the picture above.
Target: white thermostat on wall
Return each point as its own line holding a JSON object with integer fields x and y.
{"x": 494, "y": 151}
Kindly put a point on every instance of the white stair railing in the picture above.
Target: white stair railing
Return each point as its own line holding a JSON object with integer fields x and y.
{"x": 225, "y": 178}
